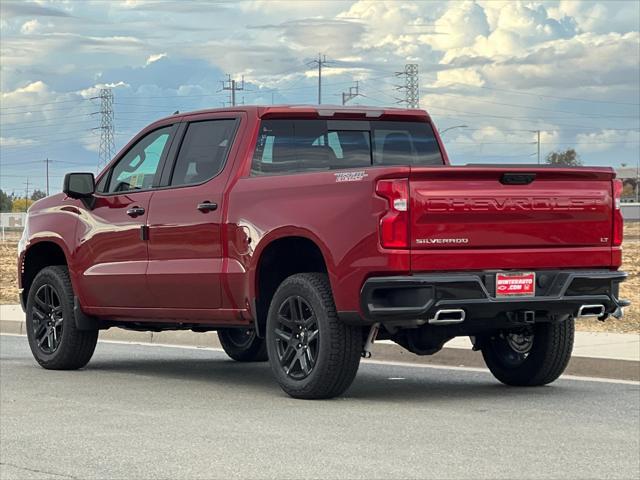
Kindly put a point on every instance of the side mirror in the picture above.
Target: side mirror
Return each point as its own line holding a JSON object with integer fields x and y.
{"x": 79, "y": 185}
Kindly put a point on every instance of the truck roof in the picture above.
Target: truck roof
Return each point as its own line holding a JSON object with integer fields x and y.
{"x": 315, "y": 111}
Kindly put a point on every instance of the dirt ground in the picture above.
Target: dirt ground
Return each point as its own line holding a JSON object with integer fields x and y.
{"x": 629, "y": 289}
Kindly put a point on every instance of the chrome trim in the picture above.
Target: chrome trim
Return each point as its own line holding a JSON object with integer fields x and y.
{"x": 598, "y": 313}
{"x": 436, "y": 320}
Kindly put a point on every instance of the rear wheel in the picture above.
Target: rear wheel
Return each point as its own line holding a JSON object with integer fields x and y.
{"x": 312, "y": 353}
{"x": 528, "y": 357}
{"x": 54, "y": 340}
{"x": 243, "y": 344}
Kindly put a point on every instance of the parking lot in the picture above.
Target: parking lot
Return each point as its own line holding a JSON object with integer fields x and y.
{"x": 158, "y": 412}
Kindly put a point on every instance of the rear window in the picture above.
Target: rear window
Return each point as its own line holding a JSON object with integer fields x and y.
{"x": 286, "y": 146}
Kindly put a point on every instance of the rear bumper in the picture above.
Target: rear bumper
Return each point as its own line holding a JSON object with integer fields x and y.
{"x": 417, "y": 299}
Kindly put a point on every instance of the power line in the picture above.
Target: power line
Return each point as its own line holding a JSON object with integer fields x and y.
{"x": 530, "y": 107}
{"x": 42, "y": 104}
{"x": 577, "y": 99}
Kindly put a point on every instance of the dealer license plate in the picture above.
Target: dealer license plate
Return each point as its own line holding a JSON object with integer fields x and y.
{"x": 515, "y": 284}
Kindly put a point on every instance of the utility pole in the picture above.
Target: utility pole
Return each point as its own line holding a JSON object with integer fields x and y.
{"x": 322, "y": 60}
{"x": 411, "y": 86}
{"x": 47, "y": 162}
{"x": 538, "y": 134}
{"x": 351, "y": 94}
{"x": 26, "y": 196}
{"x": 107, "y": 143}
{"x": 233, "y": 87}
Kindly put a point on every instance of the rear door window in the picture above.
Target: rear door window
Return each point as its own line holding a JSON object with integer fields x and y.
{"x": 204, "y": 151}
{"x": 287, "y": 146}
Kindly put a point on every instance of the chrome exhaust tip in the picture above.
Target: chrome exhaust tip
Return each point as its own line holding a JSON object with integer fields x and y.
{"x": 448, "y": 317}
{"x": 591, "y": 311}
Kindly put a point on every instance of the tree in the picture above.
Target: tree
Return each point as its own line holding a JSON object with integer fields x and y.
{"x": 567, "y": 158}
{"x": 37, "y": 195}
{"x": 5, "y": 202}
{"x": 21, "y": 205}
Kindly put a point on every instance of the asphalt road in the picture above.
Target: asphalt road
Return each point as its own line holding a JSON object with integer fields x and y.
{"x": 159, "y": 412}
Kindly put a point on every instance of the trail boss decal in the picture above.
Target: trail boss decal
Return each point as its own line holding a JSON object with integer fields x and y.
{"x": 350, "y": 176}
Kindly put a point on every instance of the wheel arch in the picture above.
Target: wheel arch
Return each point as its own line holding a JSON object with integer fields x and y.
{"x": 279, "y": 257}
{"x": 39, "y": 254}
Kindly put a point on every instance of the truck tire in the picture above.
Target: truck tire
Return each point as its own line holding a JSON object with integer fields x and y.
{"x": 243, "y": 345}
{"x": 55, "y": 342}
{"x": 312, "y": 353}
{"x": 533, "y": 358}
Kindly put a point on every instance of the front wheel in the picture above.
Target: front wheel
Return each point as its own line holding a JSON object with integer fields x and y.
{"x": 312, "y": 353}
{"x": 55, "y": 342}
{"x": 529, "y": 357}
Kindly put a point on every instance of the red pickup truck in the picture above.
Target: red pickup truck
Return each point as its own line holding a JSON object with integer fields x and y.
{"x": 303, "y": 233}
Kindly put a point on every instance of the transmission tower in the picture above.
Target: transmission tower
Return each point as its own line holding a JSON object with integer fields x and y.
{"x": 107, "y": 143}
{"x": 411, "y": 86}
{"x": 351, "y": 94}
{"x": 233, "y": 87}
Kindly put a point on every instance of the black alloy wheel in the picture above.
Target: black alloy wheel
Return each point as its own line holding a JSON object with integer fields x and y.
{"x": 512, "y": 348}
{"x": 297, "y": 337}
{"x": 48, "y": 319}
{"x": 55, "y": 340}
{"x": 313, "y": 354}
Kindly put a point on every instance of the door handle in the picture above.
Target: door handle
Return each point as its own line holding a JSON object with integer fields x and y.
{"x": 135, "y": 211}
{"x": 207, "y": 206}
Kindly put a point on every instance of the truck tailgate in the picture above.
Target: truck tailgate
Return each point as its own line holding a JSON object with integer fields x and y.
{"x": 488, "y": 210}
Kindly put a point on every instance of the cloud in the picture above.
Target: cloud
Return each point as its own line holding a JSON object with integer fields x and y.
{"x": 155, "y": 57}
{"x": 30, "y": 26}
{"x": 24, "y": 9}
{"x": 482, "y": 64}
{"x": 16, "y": 142}
{"x": 181, "y": 7}
{"x": 312, "y": 34}
{"x": 462, "y": 23}
{"x": 606, "y": 140}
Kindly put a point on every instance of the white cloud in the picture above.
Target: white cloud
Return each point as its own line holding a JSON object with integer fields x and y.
{"x": 606, "y": 140}
{"x": 155, "y": 57}
{"x": 30, "y": 26}
{"x": 95, "y": 89}
{"x": 16, "y": 142}
{"x": 460, "y": 25}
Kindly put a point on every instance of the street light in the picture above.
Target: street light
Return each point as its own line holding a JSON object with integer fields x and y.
{"x": 451, "y": 128}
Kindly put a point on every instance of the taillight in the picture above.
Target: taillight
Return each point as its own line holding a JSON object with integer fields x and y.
{"x": 617, "y": 213}
{"x": 394, "y": 225}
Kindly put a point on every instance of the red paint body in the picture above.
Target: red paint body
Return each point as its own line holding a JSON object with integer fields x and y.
{"x": 201, "y": 267}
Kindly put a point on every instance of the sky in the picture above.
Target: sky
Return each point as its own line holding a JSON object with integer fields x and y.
{"x": 497, "y": 70}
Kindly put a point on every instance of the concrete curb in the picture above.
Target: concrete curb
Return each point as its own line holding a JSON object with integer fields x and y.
{"x": 457, "y": 357}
